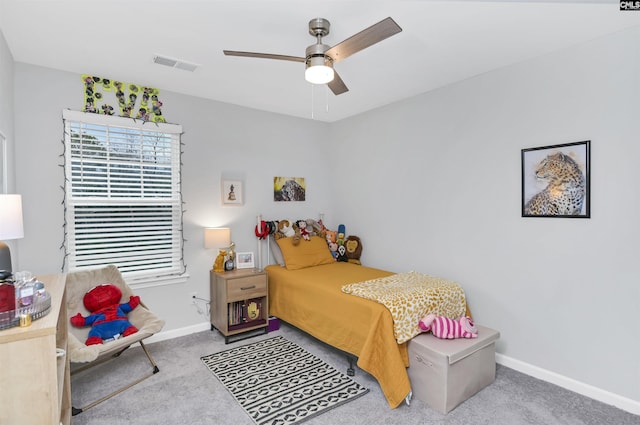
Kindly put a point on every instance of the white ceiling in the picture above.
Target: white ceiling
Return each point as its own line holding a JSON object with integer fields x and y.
{"x": 442, "y": 42}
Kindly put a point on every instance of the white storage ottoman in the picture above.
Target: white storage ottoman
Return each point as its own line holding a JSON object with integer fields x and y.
{"x": 446, "y": 372}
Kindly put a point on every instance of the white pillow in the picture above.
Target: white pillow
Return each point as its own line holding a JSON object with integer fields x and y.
{"x": 276, "y": 251}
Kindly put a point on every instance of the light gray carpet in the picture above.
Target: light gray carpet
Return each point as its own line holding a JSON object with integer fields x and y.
{"x": 185, "y": 392}
{"x": 277, "y": 381}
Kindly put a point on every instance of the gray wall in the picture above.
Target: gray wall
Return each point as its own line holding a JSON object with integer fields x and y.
{"x": 6, "y": 90}
{"x": 436, "y": 189}
{"x": 219, "y": 141}
{"x": 6, "y": 127}
{"x": 430, "y": 184}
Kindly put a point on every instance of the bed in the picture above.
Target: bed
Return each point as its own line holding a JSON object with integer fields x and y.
{"x": 306, "y": 291}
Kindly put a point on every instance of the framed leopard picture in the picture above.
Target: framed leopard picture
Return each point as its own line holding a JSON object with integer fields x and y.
{"x": 556, "y": 181}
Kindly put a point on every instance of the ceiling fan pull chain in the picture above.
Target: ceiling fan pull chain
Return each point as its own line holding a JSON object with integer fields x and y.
{"x": 312, "y": 100}
{"x": 326, "y": 99}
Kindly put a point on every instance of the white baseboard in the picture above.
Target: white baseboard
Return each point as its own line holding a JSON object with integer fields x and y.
{"x": 627, "y": 404}
{"x": 175, "y": 333}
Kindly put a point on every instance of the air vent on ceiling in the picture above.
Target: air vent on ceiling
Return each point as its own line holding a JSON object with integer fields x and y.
{"x": 175, "y": 63}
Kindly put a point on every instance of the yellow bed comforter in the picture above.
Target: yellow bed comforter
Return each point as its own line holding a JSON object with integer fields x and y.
{"x": 312, "y": 300}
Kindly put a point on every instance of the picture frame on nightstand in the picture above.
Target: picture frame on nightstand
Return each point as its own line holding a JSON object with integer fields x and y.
{"x": 245, "y": 260}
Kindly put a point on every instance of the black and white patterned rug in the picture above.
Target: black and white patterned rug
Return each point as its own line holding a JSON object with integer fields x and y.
{"x": 278, "y": 382}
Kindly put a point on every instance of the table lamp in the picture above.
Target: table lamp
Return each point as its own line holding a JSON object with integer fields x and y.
{"x": 220, "y": 238}
{"x": 10, "y": 226}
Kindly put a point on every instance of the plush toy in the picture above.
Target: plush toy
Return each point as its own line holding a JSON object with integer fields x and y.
{"x": 341, "y": 234}
{"x": 304, "y": 233}
{"x": 322, "y": 227}
{"x": 264, "y": 230}
{"x": 446, "y": 328}
{"x": 108, "y": 318}
{"x": 342, "y": 254}
{"x": 285, "y": 229}
{"x": 295, "y": 239}
{"x": 354, "y": 249}
{"x": 316, "y": 228}
{"x": 330, "y": 236}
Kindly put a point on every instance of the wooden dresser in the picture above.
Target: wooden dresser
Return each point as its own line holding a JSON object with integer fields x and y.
{"x": 34, "y": 381}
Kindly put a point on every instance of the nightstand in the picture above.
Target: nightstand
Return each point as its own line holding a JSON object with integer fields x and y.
{"x": 239, "y": 303}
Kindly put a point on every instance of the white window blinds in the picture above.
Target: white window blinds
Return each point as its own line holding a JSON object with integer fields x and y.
{"x": 123, "y": 202}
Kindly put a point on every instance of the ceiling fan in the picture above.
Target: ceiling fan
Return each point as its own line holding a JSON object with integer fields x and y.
{"x": 319, "y": 58}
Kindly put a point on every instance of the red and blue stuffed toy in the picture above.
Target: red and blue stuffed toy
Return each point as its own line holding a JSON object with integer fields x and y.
{"x": 108, "y": 317}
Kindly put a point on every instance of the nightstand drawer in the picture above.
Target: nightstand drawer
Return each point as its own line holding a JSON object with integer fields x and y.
{"x": 246, "y": 287}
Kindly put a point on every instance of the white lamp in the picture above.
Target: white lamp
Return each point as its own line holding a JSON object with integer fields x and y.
{"x": 220, "y": 238}
{"x": 217, "y": 237}
{"x": 10, "y": 226}
{"x": 319, "y": 70}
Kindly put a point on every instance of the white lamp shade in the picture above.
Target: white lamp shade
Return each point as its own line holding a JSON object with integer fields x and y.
{"x": 217, "y": 237}
{"x": 11, "y": 217}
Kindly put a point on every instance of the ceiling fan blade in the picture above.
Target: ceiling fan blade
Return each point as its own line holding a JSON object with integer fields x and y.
{"x": 336, "y": 85}
{"x": 263, "y": 56}
{"x": 365, "y": 38}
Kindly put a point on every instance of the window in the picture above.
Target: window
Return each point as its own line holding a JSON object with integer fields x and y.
{"x": 123, "y": 203}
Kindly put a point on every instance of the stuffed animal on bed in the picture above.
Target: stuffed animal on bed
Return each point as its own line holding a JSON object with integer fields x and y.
{"x": 446, "y": 328}
{"x": 108, "y": 318}
{"x": 285, "y": 229}
{"x": 341, "y": 234}
{"x": 304, "y": 232}
{"x": 342, "y": 254}
{"x": 330, "y": 236}
{"x": 354, "y": 249}
{"x": 316, "y": 228}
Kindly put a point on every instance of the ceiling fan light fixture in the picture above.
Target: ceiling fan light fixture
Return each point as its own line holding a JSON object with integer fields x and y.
{"x": 319, "y": 58}
{"x": 319, "y": 70}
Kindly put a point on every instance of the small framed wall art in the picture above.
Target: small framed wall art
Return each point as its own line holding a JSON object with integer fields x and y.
{"x": 556, "y": 181}
{"x": 244, "y": 260}
{"x": 287, "y": 189}
{"x": 232, "y": 192}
